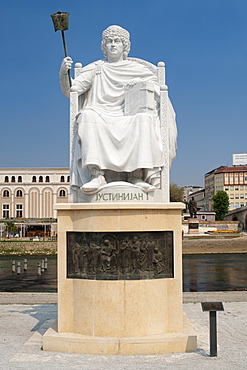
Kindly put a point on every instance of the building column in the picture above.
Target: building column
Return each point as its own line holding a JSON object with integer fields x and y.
{"x": 26, "y": 210}
{"x": 12, "y": 205}
{"x": 40, "y": 204}
{"x": 54, "y": 212}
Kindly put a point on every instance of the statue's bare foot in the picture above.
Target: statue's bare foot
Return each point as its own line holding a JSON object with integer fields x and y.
{"x": 94, "y": 184}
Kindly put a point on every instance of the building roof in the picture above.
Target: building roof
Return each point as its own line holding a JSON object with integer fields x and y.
{"x": 216, "y": 169}
{"x": 197, "y": 192}
{"x": 231, "y": 169}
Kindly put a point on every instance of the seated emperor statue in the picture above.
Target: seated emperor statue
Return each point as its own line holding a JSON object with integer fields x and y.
{"x": 108, "y": 140}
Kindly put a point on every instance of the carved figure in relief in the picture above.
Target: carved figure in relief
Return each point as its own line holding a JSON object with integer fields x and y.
{"x": 150, "y": 246}
{"x": 135, "y": 254}
{"x": 144, "y": 255}
{"x": 125, "y": 255}
{"x": 108, "y": 141}
{"x": 84, "y": 258}
{"x": 108, "y": 256}
{"x": 157, "y": 261}
{"x": 76, "y": 257}
{"x": 93, "y": 259}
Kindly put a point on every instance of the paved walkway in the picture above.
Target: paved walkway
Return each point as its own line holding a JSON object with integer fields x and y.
{"x": 22, "y": 327}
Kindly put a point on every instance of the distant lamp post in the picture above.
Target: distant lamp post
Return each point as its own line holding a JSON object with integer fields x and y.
{"x": 61, "y": 23}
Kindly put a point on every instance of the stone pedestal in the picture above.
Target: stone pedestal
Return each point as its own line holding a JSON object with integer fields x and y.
{"x": 105, "y": 314}
{"x": 193, "y": 226}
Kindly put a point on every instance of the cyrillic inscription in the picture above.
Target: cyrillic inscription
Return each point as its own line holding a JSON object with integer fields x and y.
{"x": 118, "y": 197}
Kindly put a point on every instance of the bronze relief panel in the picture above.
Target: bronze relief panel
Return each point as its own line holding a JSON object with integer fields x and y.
{"x": 120, "y": 255}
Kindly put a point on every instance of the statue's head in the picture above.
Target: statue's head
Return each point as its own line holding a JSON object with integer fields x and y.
{"x": 121, "y": 33}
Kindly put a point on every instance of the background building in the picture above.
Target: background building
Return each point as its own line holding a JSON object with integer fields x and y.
{"x": 188, "y": 190}
{"x": 233, "y": 180}
{"x": 32, "y": 192}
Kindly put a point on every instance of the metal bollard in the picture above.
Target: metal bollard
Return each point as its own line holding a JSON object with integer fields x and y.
{"x": 45, "y": 263}
{"x": 25, "y": 264}
{"x": 18, "y": 268}
{"x": 13, "y": 266}
{"x": 39, "y": 269}
{"x": 42, "y": 266}
{"x": 212, "y": 307}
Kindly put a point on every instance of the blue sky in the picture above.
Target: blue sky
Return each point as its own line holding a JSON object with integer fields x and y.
{"x": 204, "y": 46}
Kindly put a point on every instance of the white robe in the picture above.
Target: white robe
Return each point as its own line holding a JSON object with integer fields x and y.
{"x": 106, "y": 137}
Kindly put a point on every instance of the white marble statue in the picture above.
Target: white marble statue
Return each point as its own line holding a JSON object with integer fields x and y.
{"x": 109, "y": 143}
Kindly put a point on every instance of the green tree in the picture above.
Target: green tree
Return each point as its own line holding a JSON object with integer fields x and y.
{"x": 176, "y": 193}
{"x": 220, "y": 204}
{"x": 11, "y": 228}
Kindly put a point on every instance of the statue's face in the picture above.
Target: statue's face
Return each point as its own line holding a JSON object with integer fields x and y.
{"x": 114, "y": 48}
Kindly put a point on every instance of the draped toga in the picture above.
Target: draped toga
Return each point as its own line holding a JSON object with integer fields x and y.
{"x": 105, "y": 136}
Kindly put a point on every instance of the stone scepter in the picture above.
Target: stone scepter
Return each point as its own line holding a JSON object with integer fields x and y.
{"x": 61, "y": 23}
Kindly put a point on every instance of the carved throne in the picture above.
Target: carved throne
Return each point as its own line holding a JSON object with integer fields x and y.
{"x": 76, "y": 102}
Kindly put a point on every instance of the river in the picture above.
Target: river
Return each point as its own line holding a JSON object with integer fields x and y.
{"x": 201, "y": 273}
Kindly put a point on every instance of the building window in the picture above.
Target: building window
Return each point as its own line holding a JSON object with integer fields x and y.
{"x": 242, "y": 204}
{"x": 242, "y": 187}
{"x": 241, "y": 196}
{"x": 18, "y": 210}
{"x": 231, "y": 187}
{"x": 231, "y": 205}
{"x": 62, "y": 179}
{"x": 19, "y": 193}
{"x": 226, "y": 188}
{"x": 19, "y": 179}
{"x": 68, "y": 179}
{"x": 62, "y": 194}
{"x": 6, "y": 194}
{"x": 231, "y": 196}
{"x": 40, "y": 178}
{"x": 5, "y": 210}
{"x": 13, "y": 179}
{"x": 237, "y": 205}
{"x": 34, "y": 179}
{"x": 6, "y": 179}
{"x": 47, "y": 179}
{"x": 236, "y": 188}
{"x": 236, "y": 196}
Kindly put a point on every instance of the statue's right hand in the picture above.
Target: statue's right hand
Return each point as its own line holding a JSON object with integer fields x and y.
{"x": 66, "y": 65}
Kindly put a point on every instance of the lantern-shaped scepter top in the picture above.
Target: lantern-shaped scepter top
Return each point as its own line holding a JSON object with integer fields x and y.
{"x": 61, "y": 23}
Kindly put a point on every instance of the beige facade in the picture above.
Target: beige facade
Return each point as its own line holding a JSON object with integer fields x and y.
{"x": 32, "y": 192}
{"x": 189, "y": 189}
{"x": 233, "y": 180}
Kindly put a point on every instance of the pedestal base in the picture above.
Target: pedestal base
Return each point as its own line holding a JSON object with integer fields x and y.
{"x": 185, "y": 341}
{"x": 102, "y": 309}
{"x": 193, "y": 226}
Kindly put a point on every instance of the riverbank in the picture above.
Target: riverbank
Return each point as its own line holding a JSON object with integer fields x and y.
{"x": 202, "y": 245}
{"x": 191, "y": 245}
{"x": 27, "y": 247}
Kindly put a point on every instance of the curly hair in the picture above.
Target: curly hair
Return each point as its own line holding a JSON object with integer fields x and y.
{"x": 116, "y": 31}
